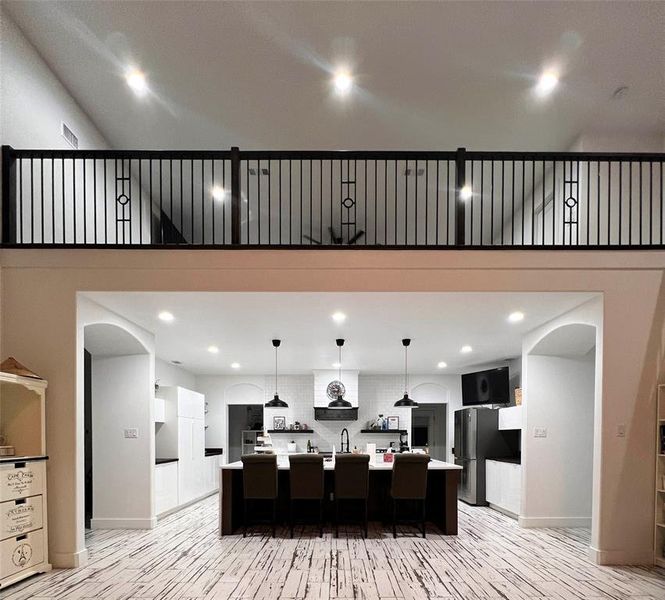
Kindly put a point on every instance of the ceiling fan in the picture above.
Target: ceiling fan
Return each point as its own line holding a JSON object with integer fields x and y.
{"x": 337, "y": 240}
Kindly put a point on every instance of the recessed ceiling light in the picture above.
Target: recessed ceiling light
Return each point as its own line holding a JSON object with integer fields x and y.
{"x": 166, "y": 316}
{"x": 466, "y": 193}
{"x": 339, "y": 317}
{"x": 516, "y": 317}
{"x": 213, "y": 349}
{"x": 442, "y": 365}
{"x": 218, "y": 193}
{"x": 343, "y": 82}
{"x": 466, "y": 349}
{"x": 137, "y": 82}
{"x": 235, "y": 365}
{"x": 546, "y": 84}
{"x": 336, "y": 365}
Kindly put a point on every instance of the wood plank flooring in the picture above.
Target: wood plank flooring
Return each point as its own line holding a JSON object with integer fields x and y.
{"x": 183, "y": 558}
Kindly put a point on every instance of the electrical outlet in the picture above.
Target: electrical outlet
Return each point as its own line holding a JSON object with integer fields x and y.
{"x": 621, "y": 430}
{"x": 132, "y": 434}
{"x": 540, "y": 432}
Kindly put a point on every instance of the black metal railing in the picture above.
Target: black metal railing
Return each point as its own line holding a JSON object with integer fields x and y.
{"x": 323, "y": 199}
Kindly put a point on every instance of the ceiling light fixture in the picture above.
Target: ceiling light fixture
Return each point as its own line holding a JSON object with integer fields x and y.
{"x": 137, "y": 82}
{"x": 405, "y": 401}
{"x": 466, "y": 349}
{"x": 166, "y": 316}
{"x": 546, "y": 84}
{"x": 276, "y": 402}
{"x": 235, "y": 365}
{"x": 339, "y": 402}
{"x": 441, "y": 365}
{"x": 339, "y": 317}
{"x": 342, "y": 82}
{"x": 219, "y": 193}
{"x": 516, "y": 317}
{"x": 466, "y": 193}
{"x": 213, "y": 349}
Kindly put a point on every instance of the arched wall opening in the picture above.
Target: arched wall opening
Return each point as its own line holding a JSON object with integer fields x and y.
{"x": 118, "y": 421}
{"x": 431, "y": 418}
{"x": 562, "y": 401}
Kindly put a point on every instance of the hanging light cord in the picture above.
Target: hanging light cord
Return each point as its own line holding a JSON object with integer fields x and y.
{"x": 406, "y": 370}
{"x": 340, "y": 364}
{"x": 275, "y": 370}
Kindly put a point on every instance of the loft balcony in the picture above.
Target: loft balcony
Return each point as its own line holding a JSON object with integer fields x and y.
{"x": 331, "y": 199}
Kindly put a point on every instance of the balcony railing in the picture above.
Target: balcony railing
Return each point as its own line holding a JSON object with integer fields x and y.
{"x": 331, "y": 199}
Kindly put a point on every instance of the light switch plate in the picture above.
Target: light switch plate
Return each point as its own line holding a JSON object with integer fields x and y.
{"x": 540, "y": 432}
{"x": 132, "y": 433}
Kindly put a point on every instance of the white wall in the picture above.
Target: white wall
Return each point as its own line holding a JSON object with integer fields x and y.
{"x": 122, "y": 468}
{"x": 560, "y": 466}
{"x": 169, "y": 375}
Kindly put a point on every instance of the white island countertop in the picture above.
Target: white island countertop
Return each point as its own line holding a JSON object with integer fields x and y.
{"x": 329, "y": 465}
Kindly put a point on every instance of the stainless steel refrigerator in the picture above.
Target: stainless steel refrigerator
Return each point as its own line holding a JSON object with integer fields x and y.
{"x": 477, "y": 437}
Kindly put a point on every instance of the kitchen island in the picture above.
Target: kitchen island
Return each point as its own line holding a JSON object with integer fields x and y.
{"x": 441, "y": 504}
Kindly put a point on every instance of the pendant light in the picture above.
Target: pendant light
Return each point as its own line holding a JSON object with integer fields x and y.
{"x": 406, "y": 402}
{"x": 339, "y": 402}
{"x": 276, "y": 402}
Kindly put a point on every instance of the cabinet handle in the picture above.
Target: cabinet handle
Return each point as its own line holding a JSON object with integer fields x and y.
{"x": 22, "y": 537}
{"x": 19, "y": 465}
{"x": 20, "y": 501}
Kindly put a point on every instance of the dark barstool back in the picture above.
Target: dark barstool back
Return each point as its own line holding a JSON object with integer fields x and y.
{"x": 306, "y": 476}
{"x": 409, "y": 481}
{"x": 259, "y": 476}
{"x": 351, "y": 476}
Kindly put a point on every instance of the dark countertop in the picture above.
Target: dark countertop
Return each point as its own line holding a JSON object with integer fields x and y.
{"x": 514, "y": 460}
{"x": 10, "y": 459}
{"x": 214, "y": 451}
{"x": 163, "y": 461}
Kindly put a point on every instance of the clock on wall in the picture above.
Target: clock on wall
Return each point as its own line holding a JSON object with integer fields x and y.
{"x": 335, "y": 389}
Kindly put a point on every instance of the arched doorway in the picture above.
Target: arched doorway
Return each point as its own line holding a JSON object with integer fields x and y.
{"x": 118, "y": 440}
{"x": 561, "y": 408}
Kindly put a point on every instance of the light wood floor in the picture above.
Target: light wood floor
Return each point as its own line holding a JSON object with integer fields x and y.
{"x": 491, "y": 558}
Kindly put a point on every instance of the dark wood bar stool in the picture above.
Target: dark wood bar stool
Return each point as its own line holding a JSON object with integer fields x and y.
{"x": 409, "y": 482}
{"x": 259, "y": 481}
{"x": 351, "y": 482}
{"x": 306, "y": 483}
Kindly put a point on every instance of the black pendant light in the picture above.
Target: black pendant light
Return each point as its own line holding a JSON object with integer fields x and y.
{"x": 276, "y": 402}
{"x": 339, "y": 402}
{"x": 406, "y": 402}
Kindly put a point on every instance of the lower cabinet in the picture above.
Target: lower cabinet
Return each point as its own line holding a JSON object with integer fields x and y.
{"x": 503, "y": 485}
{"x": 166, "y": 487}
{"x": 211, "y": 479}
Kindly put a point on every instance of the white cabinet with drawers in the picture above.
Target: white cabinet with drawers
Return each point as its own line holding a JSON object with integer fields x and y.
{"x": 23, "y": 522}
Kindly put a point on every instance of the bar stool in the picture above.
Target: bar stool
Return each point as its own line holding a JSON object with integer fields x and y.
{"x": 351, "y": 482}
{"x": 259, "y": 482}
{"x": 409, "y": 482}
{"x": 306, "y": 483}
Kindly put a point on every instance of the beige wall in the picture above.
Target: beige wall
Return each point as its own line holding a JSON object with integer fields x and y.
{"x": 39, "y": 328}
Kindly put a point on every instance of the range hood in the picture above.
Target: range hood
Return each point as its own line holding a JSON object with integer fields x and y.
{"x": 335, "y": 414}
{"x": 322, "y": 379}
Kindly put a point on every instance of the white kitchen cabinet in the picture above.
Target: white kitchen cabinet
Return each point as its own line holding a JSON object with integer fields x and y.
{"x": 166, "y": 487}
{"x": 160, "y": 410}
{"x": 211, "y": 481}
{"x": 510, "y": 417}
{"x": 503, "y": 485}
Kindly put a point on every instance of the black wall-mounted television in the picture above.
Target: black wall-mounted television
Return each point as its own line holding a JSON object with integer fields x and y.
{"x": 486, "y": 387}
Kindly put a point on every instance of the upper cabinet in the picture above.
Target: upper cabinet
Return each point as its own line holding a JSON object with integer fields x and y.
{"x": 510, "y": 417}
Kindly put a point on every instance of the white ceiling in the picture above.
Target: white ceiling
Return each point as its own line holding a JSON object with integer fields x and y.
{"x": 243, "y": 324}
{"x": 101, "y": 339}
{"x": 431, "y": 75}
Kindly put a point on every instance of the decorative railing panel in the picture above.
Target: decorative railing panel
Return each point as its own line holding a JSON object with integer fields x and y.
{"x": 325, "y": 199}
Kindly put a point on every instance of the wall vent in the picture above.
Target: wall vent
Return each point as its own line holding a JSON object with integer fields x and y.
{"x": 70, "y": 136}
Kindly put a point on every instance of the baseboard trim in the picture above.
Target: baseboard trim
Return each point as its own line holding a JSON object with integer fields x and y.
{"x": 123, "y": 523}
{"x": 175, "y": 509}
{"x": 69, "y": 560}
{"x": 621, "y": 557}
{"x": 549, "y": 522}
{"x": 503, "y": 511}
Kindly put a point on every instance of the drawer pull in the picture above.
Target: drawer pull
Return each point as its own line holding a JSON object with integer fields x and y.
{"x": 22, "y": 537}
{"x": 20, "y": 501}
{"x": 19, "y": 465}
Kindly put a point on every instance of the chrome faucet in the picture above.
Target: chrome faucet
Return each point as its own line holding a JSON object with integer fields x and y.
{"x": 341, "y": 449}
